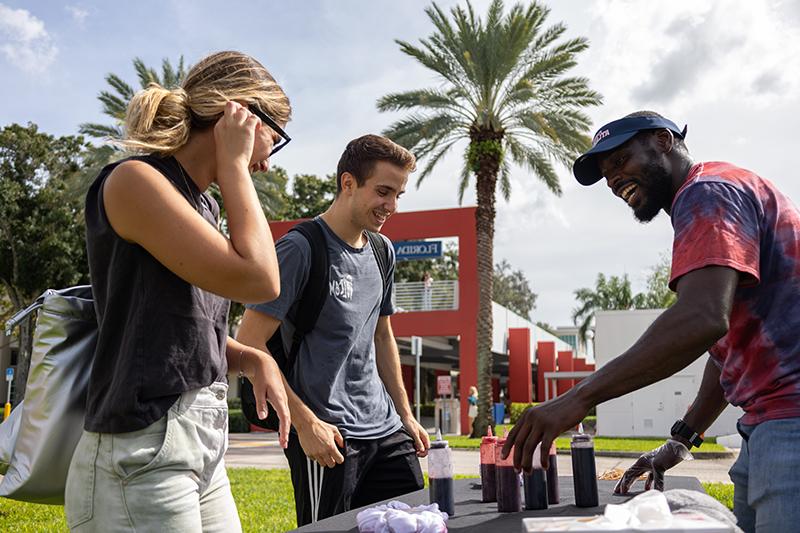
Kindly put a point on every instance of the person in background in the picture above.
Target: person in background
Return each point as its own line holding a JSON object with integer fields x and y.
{"x": 472, "y": 400}
{"x": 427, "y": 291}
{"x": 151, "y": 455}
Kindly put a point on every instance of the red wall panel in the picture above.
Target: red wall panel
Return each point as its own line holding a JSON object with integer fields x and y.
{"x": 565, "y": 365}
{"x": 520, "y": 386}
{"x": 546, "y": 358}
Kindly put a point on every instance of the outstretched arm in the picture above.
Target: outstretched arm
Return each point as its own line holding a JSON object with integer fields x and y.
{"x": 679, "y": 336}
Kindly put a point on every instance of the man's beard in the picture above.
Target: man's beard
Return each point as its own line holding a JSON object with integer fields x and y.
{"x": 656, "y": 183}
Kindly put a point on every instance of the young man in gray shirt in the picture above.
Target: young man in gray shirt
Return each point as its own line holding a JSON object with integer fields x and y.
{"x": 355, "y": 440}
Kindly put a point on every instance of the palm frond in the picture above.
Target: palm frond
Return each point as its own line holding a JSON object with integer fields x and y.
{"x": 124, "y": 90}
{"x": 505, "y": 180}
{"x": 414, "y": 130}
{"x": 463, "y": 182}
{"x": 100, "y": 131}
{"x": 146, "y": 75}
{"x": 113, "y": 105}
{"x": 442, "y": 65}
{"x": 428, "y": 145}
{"x": 426, "y": 99}
{"x": 442, "y": 149}
{"x": 536, "y": 161}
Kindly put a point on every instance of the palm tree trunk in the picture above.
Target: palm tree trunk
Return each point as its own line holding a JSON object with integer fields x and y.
{"x": 487, "y": 164}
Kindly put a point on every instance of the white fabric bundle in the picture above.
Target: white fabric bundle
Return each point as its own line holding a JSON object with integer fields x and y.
{"x": 398, "y": 517}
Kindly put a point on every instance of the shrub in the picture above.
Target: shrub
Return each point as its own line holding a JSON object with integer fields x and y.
{"x": 427, "y": 409}
{"x": 517, "y": 408}
{"x": 234, "y": 403}
{"x": 237, "y": 423}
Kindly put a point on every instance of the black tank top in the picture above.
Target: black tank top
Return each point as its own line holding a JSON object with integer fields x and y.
{"x": 159, "y": 336}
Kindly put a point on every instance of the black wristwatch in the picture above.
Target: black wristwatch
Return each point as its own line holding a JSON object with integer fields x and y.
{"x": 680, "y": 428}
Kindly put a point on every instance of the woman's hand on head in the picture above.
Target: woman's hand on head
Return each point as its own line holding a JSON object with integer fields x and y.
{"x": 234, "y": 136}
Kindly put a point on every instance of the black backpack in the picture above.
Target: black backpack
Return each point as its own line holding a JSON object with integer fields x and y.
{"x": 309, "y": 307}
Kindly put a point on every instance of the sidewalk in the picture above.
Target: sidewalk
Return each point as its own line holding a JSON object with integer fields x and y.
{"x": 261, "y": 450}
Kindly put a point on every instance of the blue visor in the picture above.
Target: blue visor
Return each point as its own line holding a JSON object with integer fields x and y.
{"x": 613, "y": 135}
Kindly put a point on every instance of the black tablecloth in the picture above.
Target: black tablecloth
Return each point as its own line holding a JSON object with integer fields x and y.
{"x": 474, "y": 516}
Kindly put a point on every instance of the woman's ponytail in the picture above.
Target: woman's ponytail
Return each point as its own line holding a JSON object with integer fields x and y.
{"x": 158, "y": 120}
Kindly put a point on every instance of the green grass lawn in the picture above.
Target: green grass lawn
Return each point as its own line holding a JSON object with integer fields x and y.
{"x": 607, "y": 444}
{"x": 722, "y": 492}
{"x": 264, "y": 499}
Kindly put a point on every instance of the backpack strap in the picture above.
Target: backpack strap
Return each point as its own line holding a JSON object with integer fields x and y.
{"x": 382, "y": 257}
{"x": 316, "y": 290}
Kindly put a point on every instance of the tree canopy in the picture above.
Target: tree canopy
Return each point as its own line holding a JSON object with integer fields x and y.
{"x": 513, "y": 290}
{"x": 310, "y": 196}
{"x": 41, "y": 232}
{"x": 614, "y": 292}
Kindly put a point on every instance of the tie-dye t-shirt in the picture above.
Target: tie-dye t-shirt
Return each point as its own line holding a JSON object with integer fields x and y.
{"x": 728, "y": 216}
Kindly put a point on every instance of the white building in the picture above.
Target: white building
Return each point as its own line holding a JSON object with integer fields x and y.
{"x": 651, "y": 411}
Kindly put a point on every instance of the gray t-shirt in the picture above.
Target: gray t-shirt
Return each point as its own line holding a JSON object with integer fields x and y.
{"x": 336, "y": 374}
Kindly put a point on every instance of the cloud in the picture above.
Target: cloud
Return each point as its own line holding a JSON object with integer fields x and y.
{"x": 768, "y": 82}
{"x": 24, "y": 41}
{"x": 694, "y": 53}
{"x": 78, "y": 14}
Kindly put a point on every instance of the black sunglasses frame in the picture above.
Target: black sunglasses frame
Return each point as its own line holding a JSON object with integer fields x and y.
{"x": 272, "y": 124}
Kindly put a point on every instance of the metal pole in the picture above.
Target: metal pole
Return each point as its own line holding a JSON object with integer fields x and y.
{"x": 416, "y": 351}
{"x": 7, "y": 406}
{"x": 416, "y": 385}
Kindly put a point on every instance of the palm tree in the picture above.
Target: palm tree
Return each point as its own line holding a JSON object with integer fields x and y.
{"x": 504, "y": 92}
{"x": 612, "y": 293}
{"x": 270, "y": 186}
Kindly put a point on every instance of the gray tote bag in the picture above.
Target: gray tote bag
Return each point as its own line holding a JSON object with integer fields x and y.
{"x": 38, "y": 439}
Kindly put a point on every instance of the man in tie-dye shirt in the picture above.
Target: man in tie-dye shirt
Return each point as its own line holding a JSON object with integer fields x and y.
{"x": 736, "y": 270}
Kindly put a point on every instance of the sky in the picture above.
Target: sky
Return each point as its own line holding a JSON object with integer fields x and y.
{"x": 728, "y": 69}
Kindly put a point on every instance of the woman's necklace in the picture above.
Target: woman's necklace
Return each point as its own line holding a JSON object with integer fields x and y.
{"x": 188, "y": 189}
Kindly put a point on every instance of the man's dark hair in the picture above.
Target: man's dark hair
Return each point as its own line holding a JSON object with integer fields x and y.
{"x": 361, "y": 154}
{"x": 679, "y": 144}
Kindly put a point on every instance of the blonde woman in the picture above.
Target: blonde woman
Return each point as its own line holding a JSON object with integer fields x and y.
{"x": 472, "y": 401}
{"x": 151, "y": 455}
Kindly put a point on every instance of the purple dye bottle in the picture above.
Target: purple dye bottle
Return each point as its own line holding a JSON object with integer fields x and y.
{"x": 552, "y": 476}
{"x": 584, "y": 472}
{"x": 488, "y": 469}
{"x": 508, "y": 493}
{"x": 535, "y": 484}
{"x": 440, "y": 475}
